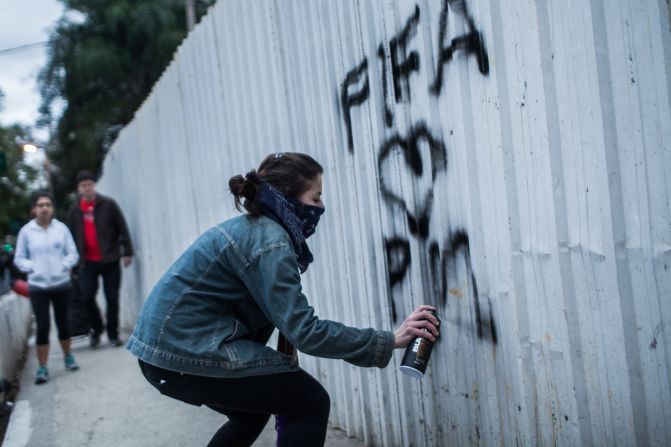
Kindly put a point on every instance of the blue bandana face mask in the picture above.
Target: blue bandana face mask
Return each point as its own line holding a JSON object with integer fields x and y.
{"x": 298, "y": 219}
{"x": 309, "y": 216}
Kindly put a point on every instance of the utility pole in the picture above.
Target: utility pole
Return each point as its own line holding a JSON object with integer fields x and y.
{"x": 190, "y": 14}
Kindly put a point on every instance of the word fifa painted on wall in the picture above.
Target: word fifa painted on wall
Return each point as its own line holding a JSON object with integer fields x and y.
{"x": 439, "y": 265}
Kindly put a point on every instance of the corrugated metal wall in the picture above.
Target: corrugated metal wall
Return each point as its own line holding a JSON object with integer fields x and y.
{"x": 507, "y": 162}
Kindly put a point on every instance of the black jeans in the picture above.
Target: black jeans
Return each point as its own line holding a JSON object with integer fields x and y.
{"x": 60, "y": 298}
{"x": 248, "y": 402}
{"x": 88, "y": 281}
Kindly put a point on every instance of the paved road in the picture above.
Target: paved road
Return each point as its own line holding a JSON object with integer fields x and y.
{"x": 108, "y": 403}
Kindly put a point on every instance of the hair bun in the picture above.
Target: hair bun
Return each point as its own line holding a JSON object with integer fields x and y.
{"x": 252, "y": 176}
{"x": 236, "y": 184}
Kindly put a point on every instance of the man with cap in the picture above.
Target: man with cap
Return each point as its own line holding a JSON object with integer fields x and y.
{"x": 102, "y": 238}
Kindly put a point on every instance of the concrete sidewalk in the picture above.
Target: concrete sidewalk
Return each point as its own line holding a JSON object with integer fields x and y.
{"x": 107, "y": 402}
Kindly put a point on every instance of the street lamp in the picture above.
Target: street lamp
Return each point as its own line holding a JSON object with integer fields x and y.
{"x": 33, "y": 149}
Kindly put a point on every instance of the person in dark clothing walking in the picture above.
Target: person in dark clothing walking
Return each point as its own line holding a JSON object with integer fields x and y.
{"x": 102, "y": 238}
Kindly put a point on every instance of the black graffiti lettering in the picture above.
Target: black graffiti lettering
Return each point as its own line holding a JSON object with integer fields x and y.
{"x": 459, "y": 243}
{"x": 456, "y": 243}
{"x": 484, "y": 321}
{"x": 471, "y": 43}
{"x": 409, "y": 147}
{"x": 442, "y": 266}
{"x": 421, "y": 132}
{"x": 403, "y": 64}
{"x": 419, "y": 226}
{"x": 445, "y": 54}
{"x": 418, "y": 223}
{"x": 398, "y": 260}
{"x": 437, "y": 279}
{"x": 442, "y": 263}
{"x": 388, "y": 115}
{"x": 349, "y": 100}
{"x": 493, "y": 335}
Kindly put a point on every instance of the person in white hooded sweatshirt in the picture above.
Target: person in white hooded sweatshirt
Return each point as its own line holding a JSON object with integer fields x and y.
{"x": 46, "y": 251}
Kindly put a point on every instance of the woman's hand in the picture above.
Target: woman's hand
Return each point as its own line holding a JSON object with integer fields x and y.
{"x": 412, "y": 327}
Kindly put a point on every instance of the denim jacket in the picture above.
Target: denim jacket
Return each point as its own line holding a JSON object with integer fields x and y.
{"x": 214, "y": 310}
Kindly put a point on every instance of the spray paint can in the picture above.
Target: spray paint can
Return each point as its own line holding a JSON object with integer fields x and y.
{"x": 417, "y": 356}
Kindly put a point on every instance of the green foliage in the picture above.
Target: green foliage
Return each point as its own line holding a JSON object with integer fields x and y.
{"x": 103, "y": 67}
{"x": 16, "y": 181}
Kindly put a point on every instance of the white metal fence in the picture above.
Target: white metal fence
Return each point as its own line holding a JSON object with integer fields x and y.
{"x": 506, "y": 161}
{"x": 15, "y": 318}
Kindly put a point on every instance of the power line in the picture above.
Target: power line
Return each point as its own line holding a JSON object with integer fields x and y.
{"x": 21, "y": 47}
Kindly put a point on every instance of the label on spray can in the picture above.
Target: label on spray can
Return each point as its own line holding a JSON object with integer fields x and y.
{"x": 417, "y": 356}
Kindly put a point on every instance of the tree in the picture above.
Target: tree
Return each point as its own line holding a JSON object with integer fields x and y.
{"x": 17, "y": 180}
{"x": 103, "y": 67}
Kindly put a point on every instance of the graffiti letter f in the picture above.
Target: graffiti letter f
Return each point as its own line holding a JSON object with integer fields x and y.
{"x": 347, "y": 100}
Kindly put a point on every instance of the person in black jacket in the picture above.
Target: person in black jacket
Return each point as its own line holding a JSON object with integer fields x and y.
{"x": 102, "y": 238}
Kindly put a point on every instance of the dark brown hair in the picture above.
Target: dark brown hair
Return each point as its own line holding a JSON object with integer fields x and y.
{"x": 84, "y": 175}
{"x": 38, "y": 195}
{"x": 291, "y": 173}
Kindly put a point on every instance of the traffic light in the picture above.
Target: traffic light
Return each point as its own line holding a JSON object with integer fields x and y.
{"x": 3, "y": 162}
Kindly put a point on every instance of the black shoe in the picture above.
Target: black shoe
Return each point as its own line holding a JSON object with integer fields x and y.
{"x": 94, "y": 340}
{"x": 116, "y": 342}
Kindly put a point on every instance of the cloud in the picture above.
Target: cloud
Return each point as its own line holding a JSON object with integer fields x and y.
{"x": 24, "y": 22}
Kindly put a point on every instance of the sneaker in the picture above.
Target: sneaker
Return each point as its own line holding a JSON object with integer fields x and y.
{"x": 94, "y": 340}
{"x": 71, "y": 363}
{"x": 116, "y": 342}
{"x": 42, "y": 375}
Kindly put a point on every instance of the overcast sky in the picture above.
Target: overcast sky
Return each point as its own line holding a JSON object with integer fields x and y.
{"x": 24, "y": 22}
